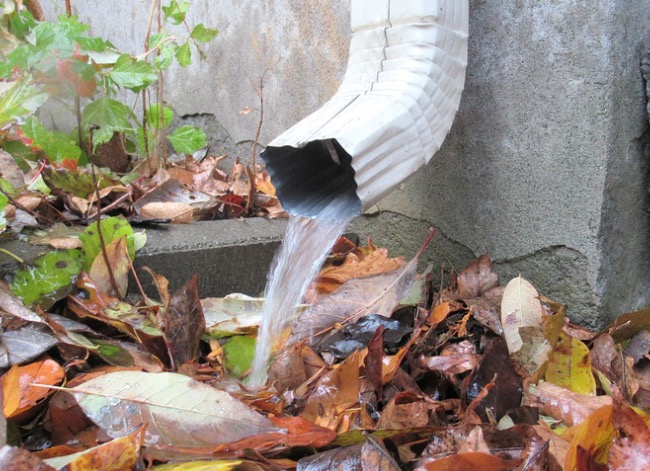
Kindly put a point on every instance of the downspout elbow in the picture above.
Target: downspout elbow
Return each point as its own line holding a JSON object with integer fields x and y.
{"x": 396, "y": 103}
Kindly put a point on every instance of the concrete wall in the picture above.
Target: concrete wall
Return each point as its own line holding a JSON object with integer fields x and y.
{"x": 546, "y": 166}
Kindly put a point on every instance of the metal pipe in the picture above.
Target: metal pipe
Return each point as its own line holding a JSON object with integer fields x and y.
{"x": 396, "y": 103}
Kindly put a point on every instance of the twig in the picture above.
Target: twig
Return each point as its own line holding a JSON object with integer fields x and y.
{"x": 102, "y": 243}
{"x": 34, "y": 7}
{"x": 260, "y": 93}
{"x": 160, "y": 131}
{"x": 68, "y": 8}
{"x": 145, "y": 131}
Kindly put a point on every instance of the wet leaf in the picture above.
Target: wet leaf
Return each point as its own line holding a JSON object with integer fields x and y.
{"x": 631, "y": 447}
{"x": 333, "y": 393}
{"x": 19, "y": 394}
{"x": 520, "y": 307}
{"x": 238, "y": 354}
{"x": 355, "y": 266}
{"x": 477, "y": 278}
{"x": 78, "y": 182}
{"x": 471, "y": 460}
{"x": 506, "y": 392}
{"x": 184, "y": 323}
{"x": 342, "y": 458}
{"x": 49, "y": 278}
{"x": 217, "y": 465}
{"x": 25, "y": 343}
{"x": 178, "y": 410}
{"x": 116, "y": 455}
{"x": 12, "y": 306}
{"x": 569, "y": 366}
{"x": 234, "y": 314}
{"x": 627, "y": 325}
{"x": 18, "y": 459}
{"x": 354, "y": 299}
{"x": 357, "y": 336}
{"x": 118, "y": 266}
{"x": 591, "y": 440}
{"x": 563, "y": 404}
{"x": 112, "y": 229}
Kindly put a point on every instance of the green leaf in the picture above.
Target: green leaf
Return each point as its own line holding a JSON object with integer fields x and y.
{"x": 110, "y": 115}
{"x": 184, "y": 55}
{"x": 20, "y": 99}
{"x": 175, "y": 12}
{"x": 187, "y": 139}
{"x": 56, "y": 145}
{"x": 112, "y": 228}
{"x": 133, "y": 74}
{"x": 93, "y": 44}
{"x": 238, "y": 354}
{"x": 203, "y": 34}
{"x": 49, "y": 279}
{"x": 79, "y": 182}
{"x": 166, "y": 56}
{"x": 154, "y": 118}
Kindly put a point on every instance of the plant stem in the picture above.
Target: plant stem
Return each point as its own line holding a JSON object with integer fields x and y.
{"x": 34, "y": 7}
{"x": 12, "y": 255}
{"x": 102, "y": 243}
{"x": 68, "y": 8}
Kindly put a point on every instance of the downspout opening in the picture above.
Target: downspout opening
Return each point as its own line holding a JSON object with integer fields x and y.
{"x": 316, "y": 179}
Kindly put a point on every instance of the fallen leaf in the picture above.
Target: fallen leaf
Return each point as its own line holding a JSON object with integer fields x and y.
{"x": 18, "y": 459}
{"x": 354, "y": 266}
{"x": 178, "y": 410}
{"x": 179, "y": 213}
{"x": 17, "y": 384}
{"x": 238, "y": 354}
{"x": 507, "y": 391}
{"x": 12, "y": 306}
{"x": 359, "y": 297}
{"x": 477, "y": 278}
{"x": 591, "y": 440}
{"x": 116, "y": 270}
{"x": 630, "y": 449}
{"x": 216, "y": 465}
{"x": 334, "y": 393}
{"x": 22, "y": 345}
{"x": 184, "y": 323}
{"x": 562, "y": 404}
{"x": 520, "y": 307}
{"x": 116, "y": 455}
{"x": 569, "y": 366}
{"x": 234, "y": 314}
{"x": 111, "y": 229}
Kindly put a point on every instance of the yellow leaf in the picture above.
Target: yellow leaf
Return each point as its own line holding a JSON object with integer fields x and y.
{"x": 591, "y": 440}
{"x": 569, "y": 366}
{"x": 218, "y": 465}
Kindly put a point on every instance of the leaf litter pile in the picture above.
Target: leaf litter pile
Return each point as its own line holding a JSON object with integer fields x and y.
{"x": 380, "y": 370}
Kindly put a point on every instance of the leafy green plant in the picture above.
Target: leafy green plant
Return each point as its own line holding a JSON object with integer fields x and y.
{"x": 59, "y": 61}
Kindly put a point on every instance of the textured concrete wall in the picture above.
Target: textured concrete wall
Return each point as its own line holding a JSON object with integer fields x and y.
{"x": 546, "y": 166}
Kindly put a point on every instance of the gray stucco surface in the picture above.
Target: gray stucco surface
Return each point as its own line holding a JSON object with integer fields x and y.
{"x": 546, "y": 166}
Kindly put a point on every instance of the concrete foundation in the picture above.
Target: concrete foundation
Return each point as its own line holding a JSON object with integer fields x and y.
{"x": 546, "y": 166}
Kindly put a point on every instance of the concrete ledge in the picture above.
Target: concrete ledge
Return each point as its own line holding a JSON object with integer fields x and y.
{"x": 229, "y": 256}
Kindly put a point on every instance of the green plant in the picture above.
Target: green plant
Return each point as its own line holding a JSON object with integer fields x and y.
{"x": 59, "y": 61}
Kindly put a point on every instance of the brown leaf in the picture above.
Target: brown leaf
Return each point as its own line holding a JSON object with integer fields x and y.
{"x": 506, "y": 393}
{"x": 118, "y": 264}
{"x": 185, "y": 323}
{"x": 562, "y": 404}
{"x": 374, "y": 456}
{"x": 12, "y": 307}
{"x": 631, "y": 448}
{"x": 470, "y": 461}
{"x": 19, "y": 393}
{"x": 334, "y": 393}
{"x": 407, "y": 410}
{"x": 179, "y": 213}
{"x": 374, "y": 361}
{"x": 17, "y": 459}
{"x": 477, "y": 278}
{"x": 355, "y": 266}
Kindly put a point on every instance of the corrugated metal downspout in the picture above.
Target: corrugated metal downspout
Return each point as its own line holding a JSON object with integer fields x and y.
{"x": 396, "y": 104}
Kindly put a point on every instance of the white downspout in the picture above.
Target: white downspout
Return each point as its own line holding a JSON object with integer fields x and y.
{"x": 396, "y": 104}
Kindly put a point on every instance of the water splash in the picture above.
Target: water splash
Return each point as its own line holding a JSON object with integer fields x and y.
{"x": 304, "y": 248}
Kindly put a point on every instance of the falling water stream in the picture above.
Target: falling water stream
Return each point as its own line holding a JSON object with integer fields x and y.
{"x": 304, "y": 248}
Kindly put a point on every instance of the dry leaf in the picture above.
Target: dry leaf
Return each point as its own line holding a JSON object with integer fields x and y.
{"x": 569, "y": 366}
{"x": 520, "y": 307}
{"x": 19, "y": 394}
{"x": 179, "y": 213}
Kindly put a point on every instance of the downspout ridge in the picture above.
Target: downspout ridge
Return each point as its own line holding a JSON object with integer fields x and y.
{"x": 396, "y": 103}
